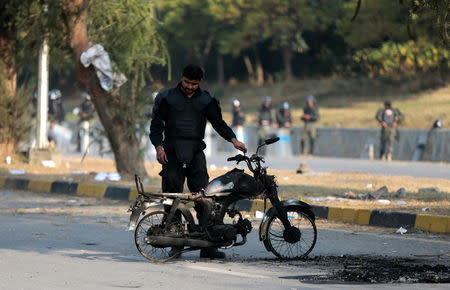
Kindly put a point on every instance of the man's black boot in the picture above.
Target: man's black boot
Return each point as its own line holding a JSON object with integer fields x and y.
{"x": 211, "y": 253}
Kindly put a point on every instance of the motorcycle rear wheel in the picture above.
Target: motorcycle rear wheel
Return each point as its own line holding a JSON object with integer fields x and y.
{"x": 276, "y": 242}
{"x": 154, "y": 224}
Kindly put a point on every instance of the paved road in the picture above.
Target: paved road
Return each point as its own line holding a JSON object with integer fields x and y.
{"x": 328, "y": 164}
{"x": 56, "y": 241}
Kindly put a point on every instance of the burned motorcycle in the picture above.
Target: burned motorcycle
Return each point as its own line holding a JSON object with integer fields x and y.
{"x": 166, "y": 228}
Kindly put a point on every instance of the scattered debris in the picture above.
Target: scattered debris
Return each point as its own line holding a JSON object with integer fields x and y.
{"x": 303, "y": 168}
{"x": 8, "y": 160}
{"x": 259, "y": 214}
{"x": 401, "y": 231}
{"x": 424, "y": 209}
{"x": 400, "y": 202}
{"x": 369, "y": 186}
{"x": 285, "y": 178}
{"x": 114, "y": 176}
{"x": 107, "y": 72}
{"x": 16, "y": 171}
{"x": 102, "y": 176}
{"x": 401, "y": 192}
{"x": 350, "y": 194}
{"x": 380, "y": 192}
{"x": 49, "y": 163}
{"x": 359, "y": 269}
{"x": 5, "y": 192}
{"x": 384, "y": 201}
{"x": 79, "y": 172}
{"x": 429, "y": 190}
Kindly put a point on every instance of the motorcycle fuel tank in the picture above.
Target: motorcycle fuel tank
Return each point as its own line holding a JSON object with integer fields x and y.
{"x": 235, "y": 183}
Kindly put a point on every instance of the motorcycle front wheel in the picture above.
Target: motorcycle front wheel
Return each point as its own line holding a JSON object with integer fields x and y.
{"x": 278, "y": 242}
{"x": 153, "y": 224}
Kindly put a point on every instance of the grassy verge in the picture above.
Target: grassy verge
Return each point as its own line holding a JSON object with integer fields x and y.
{"x": 349, "y": 103}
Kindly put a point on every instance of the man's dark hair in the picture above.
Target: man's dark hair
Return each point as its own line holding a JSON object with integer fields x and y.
{"x": 387, "y": 104}
{"x": 193, "y": 72}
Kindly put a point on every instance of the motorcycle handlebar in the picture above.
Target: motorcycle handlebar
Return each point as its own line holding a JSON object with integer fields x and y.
{"x": 237, "y": 158}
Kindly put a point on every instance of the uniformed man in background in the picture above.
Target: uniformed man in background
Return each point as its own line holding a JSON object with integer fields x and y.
{"x": 389, "y": 118}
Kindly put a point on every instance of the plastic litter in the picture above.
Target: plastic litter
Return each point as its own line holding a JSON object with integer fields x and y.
{"x": 400, "y": 202}
{"x": 101, "y": 176}
{"x": 114, "y": 176}
{"x": 107, "y": 72}
{"x": 259, "y": 214}
{"x": 16, "y": 171}
{"x": 5, "y": 192}
{"x": 384, "y": 201}
{"x": 49, "y": 163}
{"x": 285, "y": 178}
{"x": 424, "y": 209}
{"x": 8, "y": 160}
{"x": 401, "y": 231}
{"x": 369, "y": 186}
{"x": 78, "y": 172}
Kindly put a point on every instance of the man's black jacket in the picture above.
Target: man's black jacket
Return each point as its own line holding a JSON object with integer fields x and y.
{"x": 177, "y": 118}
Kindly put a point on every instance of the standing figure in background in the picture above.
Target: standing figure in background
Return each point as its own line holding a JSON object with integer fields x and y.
{"x": 389, "y": 119}
{"x": 265, "y": 121}
{"x": 56, "y": 110}
{"x": 238, "y": 120}
{"x": 56, "y": 114}
{"x": 284, "y": 118}
{"x": 310, "y": 117}
{"x": 86, "y": 113}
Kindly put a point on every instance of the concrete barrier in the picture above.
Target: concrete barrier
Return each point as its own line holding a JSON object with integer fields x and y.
{"x": 350, "y": 143}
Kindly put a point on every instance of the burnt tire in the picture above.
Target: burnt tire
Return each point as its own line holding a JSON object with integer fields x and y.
{"x": 276, "y": 240}
{"x": 154, "y": 223}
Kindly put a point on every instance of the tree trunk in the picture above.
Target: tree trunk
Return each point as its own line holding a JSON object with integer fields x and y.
{"x": 8, "y": 65}
{"x": 124, "y": 143}
{"x": 287, "y": 60}
{"x": 220, "y": 70}
{"x": 259, "y": 68}
{"x": 249, "y": 66}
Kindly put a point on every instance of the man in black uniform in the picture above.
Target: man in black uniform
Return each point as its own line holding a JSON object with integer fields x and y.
{"x": 389, "y": 118}
{"x": 181, "y": 114}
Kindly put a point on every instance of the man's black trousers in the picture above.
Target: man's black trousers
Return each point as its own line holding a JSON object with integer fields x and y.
{"x": 173, "y": 173}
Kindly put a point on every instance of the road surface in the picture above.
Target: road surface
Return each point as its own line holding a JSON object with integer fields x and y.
{"x": 53, "y": 241}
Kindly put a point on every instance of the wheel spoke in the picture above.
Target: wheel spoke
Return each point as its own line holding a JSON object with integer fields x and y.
{"x": 284, "y": 249}
{"x": 153, "y": 224}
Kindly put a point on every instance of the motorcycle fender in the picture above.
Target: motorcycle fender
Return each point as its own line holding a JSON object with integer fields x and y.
{"x": 134, "y": 217}
{"x": 291, "y": 204}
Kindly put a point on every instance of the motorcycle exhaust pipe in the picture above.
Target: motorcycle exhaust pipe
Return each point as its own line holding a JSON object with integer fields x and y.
{"x": 161, "y": 241}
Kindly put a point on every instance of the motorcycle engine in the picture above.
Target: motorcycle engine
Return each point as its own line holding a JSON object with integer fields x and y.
{"x": 227, "y": 233}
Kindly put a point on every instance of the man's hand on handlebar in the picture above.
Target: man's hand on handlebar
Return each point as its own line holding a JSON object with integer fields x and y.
{"x": 239, "y": 145}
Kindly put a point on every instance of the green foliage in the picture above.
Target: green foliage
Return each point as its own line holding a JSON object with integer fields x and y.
{"x": 15, "y": 117}
{"x": 407, "y": 58}
{"x": 376, "y": 22}
{"x": 127, "y": 29}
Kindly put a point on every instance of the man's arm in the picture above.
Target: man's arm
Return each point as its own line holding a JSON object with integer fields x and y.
{"x": 379, "y": 116}
{"x": 157, "y": 124}
{"x": 214, "y": 115}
